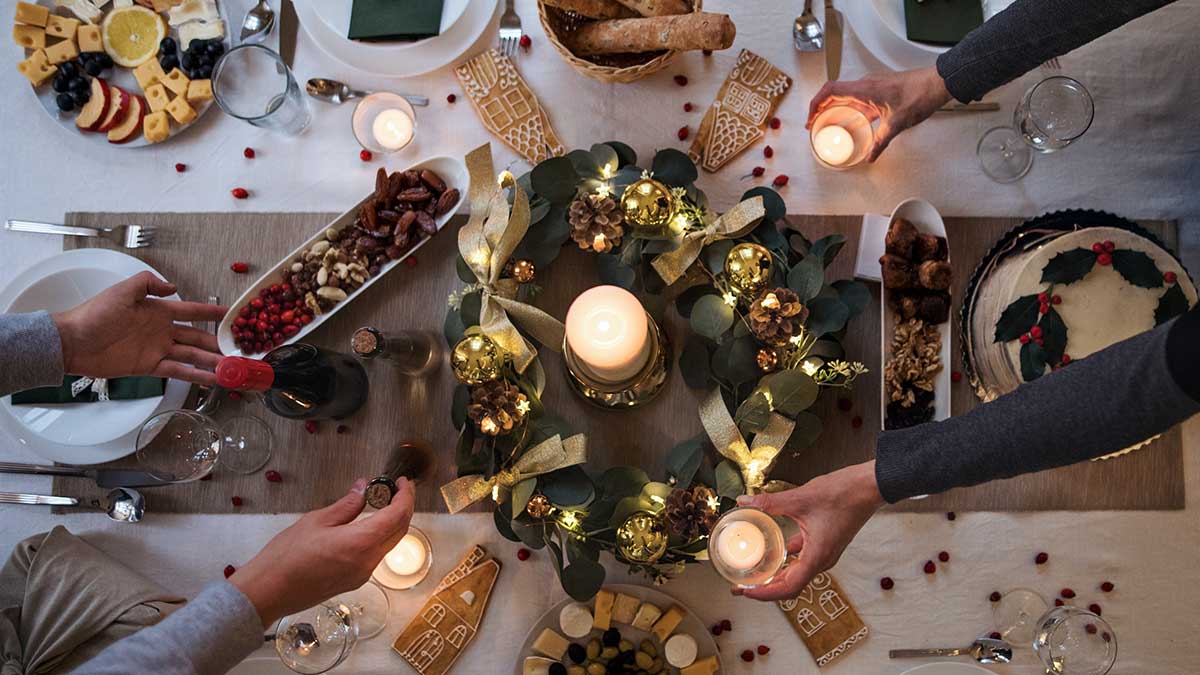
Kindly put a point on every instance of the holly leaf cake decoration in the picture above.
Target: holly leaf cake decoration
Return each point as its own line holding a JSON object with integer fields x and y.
{"x": 1137, "y": 268}
{"x": 1033, "y": 361}
{"x": 1054, "y": 336}
{"x": 1017, "y": 318}
{"x": 1170, "y": 305}
{"x": 1069, "y": 266}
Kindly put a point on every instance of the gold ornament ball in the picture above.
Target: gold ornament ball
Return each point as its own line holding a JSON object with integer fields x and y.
{"x": 539, "y": 506}
{"x": 642, "y": 538}
{"x": 523, "y": 270}
{"x": 477, "y": 359}
{"x": 767, "y": 359}
{"x": 648, "y": 204}
{"x": 748, "y": 269}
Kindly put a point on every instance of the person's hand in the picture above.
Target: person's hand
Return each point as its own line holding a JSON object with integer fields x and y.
{"x": 123, "y": 331}
{"x": 897, "y": 100}
{"x": 324, "y": 553}
{"x": 829, "y": 510}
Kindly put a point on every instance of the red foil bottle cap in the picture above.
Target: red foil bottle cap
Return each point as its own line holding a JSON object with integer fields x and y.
{"x": 242, "y": 374}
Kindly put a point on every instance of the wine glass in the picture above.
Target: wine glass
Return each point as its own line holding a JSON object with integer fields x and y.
{"x": 1051, "y": 115}
{"x": 318, "y": 638}
{"x": 1016, "y": 615}
{"x": 1073, "y": 641}
{"x": 369, "y": 605}
{"x": 184, "y": 445}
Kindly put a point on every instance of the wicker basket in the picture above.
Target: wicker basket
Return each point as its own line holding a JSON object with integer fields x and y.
{"x": 606, "y": 67}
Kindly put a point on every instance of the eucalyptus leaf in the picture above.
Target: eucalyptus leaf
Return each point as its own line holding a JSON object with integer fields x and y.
{"x": 826, "y": 315}
{"x": 799, "y": 243}
{"x": 627, "y": 507}
{"x": 502, "y": 515}
{"x": 468, "y": 460}
{"x": 582, "y": 549}
{"x": 472, "y": 304}
{"x": 767, "y": 233}
{"x": 453, "y": 327}
{"x": 792, "y": 391}
{"x": 557, "y": 553}
{"x": 683, "y": 460}
{"x": 555, "y": 179}
{"x": 656, "y": 306}
{"x": 826, "y": 248}
{"x": 582, "y": 579}
{"x": 548, "y": 426}
{"x": 729, "y": 480}
{"x": 714, "y": 255}
{"x": 538, "y": 209}
{"x": 623, "y": 481}
{"x": 463, "y": 270}
{"x": 585, "y": 164}
{"x": 753, "y": 414}
{"x": 830, "y": 350}
{"x": 674, "y": 168}
{"x": 854, "y": 295}
{"x": 458, "y": 406}
{"x": 568, "y": 487}
{"x": 807, "y": 430}
{"x": 711, "y": 316}
{"x": 631, "y": 252}
{"x": 806, "y": 278}
{"x": 612, "y": 271}
{"x": 545, "y": 238}
{"x": 693, "y": 363}
{"x": 734, "y": 361}
{"x": 606, "y": 157}
{"x": 625, "y": 153}
{"x": 521, "y": 493}
{"x": 532, "y": 535}
{"x": 525, "y": 182}
{"x": 624, "y": 178}
{"x": 773, "y": 204}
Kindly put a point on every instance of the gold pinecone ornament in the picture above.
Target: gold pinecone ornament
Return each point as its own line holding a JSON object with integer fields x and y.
{"x": 596, "y": 223}
{"x": 692, "y": 513}
{"x": 497, "y": 407}
{"x": 777, "y": 315}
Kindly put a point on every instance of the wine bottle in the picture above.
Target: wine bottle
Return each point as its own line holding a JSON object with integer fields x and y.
{"x": 300, "y": 381}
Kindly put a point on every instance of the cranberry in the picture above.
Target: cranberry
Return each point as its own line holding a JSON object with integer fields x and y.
{"x": 365, "y": 155}
{"x": 716, "y": 629}
{"x": 1097, "y": 247}
{"x": 1106, "y": 637}
{"x": 1104, "y": 259}
{"x": 1042, "y": 558}
{"x": 239, "y": 193}
{"x": 775, "y": 123}
{"x": 290, "y": 330}
{"x": 929, "y": 567}
{"x": 207, "y": 477}
{"x": 1036, "y": 331}
{"x": 274, "y": 476}
{"x": 681, "y": 80}
{"x": 342, "y": 428}
{"x": 287, "y": 316}
{"x": 944, "y": 556}
{"x": 239, "y": 267}
{"x": 306, "y": 319}
{"x": 248, "y": 153}
{"x": 1169, "y": 277}
{"x": 1067, "y": 593}
{"x": 526, "y": 42}
{"x": 780, "y": 180}
{"x": 451, "y": 98}
{"x": 1058, "y": 602}
{"x": 950, "y": 515}
{"x": 244, "y": 312}
{"x": 236, "y": 501}
{"x": 682, "y": 133}
{"x": 1056, "y": 299}
{"x": 857, "y": 422}
{"x": 523, "y": 554}
{"x": 1090, "y": 628}
{"x": 229, "y": 570}
{"x": 995, "y": 635}
{"x": 748, "y": 656}
{"x": 845, "y": 404}
{"x": 234, "y": 395}
{"x": 763, "y": 650}
{"x": 277, "y": 337}
{"x": 1095, "y": 609}
{"x": 768, "y": 152}
{"x": 310, "y": 426}
{"x": 995, "y": 596}
{"x": 956, "y": 376}
{"x": 180, "y": 168}
{"x": 1024, "y": 339}
{"x": 687, "y": 107}
{"x": 411, "y": 261}
{"x": 706, "y": 52}
{"x": 1107, "y": 587}
{"x": 726, "y": 625}
{"x": 887, "y": 583}
{"x": 1109, "y": 247}
{"x": 239, "y": 322}
{"x": 757, "y": 171}
{"x": 263, "y": 327}
{"x": 265, "y": 293}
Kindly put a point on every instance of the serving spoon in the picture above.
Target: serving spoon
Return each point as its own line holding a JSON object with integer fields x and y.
{"x": 258, "y": 22}
{"x": 332, "y": 91}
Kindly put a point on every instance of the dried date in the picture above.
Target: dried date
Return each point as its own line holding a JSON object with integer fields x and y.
{"x": 433, "y": 181}
{"x": 411, "y": 195}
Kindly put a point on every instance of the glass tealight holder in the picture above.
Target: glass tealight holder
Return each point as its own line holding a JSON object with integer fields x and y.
{"x": 390, "y": 572}
{"x": 841, "y": 137}
{"x": 384, "y": 122}
{"x": 747, "y": 547}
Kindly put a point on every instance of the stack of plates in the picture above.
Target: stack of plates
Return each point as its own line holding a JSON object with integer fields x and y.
{"x": 879, "y": 25}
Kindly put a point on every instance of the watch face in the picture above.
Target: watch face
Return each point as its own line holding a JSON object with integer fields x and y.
{"x": 379, "y": 492}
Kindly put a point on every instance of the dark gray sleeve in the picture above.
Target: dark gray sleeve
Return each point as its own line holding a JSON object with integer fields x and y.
{"x": 30, "y": 352}
{"x": 208, "y": 636}
{"x": 1027, "y": 34}
{"x": 1113, "y": 399}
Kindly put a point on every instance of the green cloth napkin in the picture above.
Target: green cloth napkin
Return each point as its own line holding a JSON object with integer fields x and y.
{"x": 121, "y": 388}
{"x": 941, "y": 22}
{"x": 378, "y": 20}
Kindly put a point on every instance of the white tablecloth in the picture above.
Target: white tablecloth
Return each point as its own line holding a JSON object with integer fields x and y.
{"x": 1140, "y": 159}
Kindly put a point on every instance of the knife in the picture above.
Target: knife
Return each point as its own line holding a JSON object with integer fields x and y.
{"x": 833, "y": 41}
{"x": 105, "y": 478}
{"x": 974, "y": 106}
{"x": 288, "y": 25}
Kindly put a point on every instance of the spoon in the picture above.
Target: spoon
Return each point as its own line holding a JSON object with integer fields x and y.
{"x": 332, "y": 91}
{"x": 258, "y": 22}
{"x": 124, "y": 505}
{"x": 983, "y": 650}
{"x": 807, "y": 33}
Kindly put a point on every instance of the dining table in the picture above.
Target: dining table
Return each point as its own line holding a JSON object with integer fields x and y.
{"x": 1140, "y": 159}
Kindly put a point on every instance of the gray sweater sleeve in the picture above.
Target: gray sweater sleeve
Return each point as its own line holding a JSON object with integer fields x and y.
{"x": 30, "y": 352}
{"x": 208, "y": 636}
{"x": 1027, "y": 34}
{"x": 1109, "y": 401}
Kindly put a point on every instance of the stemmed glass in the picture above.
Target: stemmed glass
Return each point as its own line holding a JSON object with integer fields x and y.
{"x": 1072, "y": 641}
{"x": 1051, "y": 115}
{"x": 1016, "y": 615}
{"x": 184, "y": 445}
{"x": 319, "y": 638}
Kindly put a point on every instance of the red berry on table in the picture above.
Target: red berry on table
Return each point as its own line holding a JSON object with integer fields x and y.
{"x": 955, "y": 376}
{"x": 995, "y": 596}
{"x": 716, "y": 629}
{"x": 1042, "y": 558}
{"x": 1090, "y": 628}
{"x": 1058, "y": 602}
{"x": 180, "y": 168}
{"x": 274, "y": 476}
{"x": 451, "y": 98}
{"x": 1024, "y": 339}
{"x": 887, "y": 583}
{"x": 757, "y": 171}
{"x": 950, "y": 515}
{"x": 229, "y": 570}
{"x": 310, "y": 426}
{"x": 1107, "y": 587}
{"x": 523, "y": 554}
{"x": 1169, "y": 277}
{"x": 780, "y": 180}
{"x": 1109, "y": 247}
{"x": 775, "y": 123}
{"x": 1104, "y": 259}
{"x": 995, "y": 635}
{"x": 1097, "y": 247}
{"x": 929, "y": 567}
{"x": 748, "y": 656}
{"x": 411, "y": 261}
{"x": 236, "y": 501}
{"x": 239, "y": 267}
{"x": 944, "y": 556}
{"x": 1036, "y": 331}
{"x": 768, "y": 152}
{"x": 844, "y": 404}
{"x": 248, "y": 153}
{"x": 726, "y": 625}
{"x": 239, "y": 193}
{"x": 682, "y": 133}
{"x": 856, "y": 422}
{"x": 1067, "y": 593}
{"x": 681, "y": 80}
{"x": 763, "y": 650}
{"x": 687, "y": 107}
{"x": 1095, "y": 609}
{"x": 526, "y": 42}
{"x": 341, "y": 429}
{"x": 706, "y": 52}
{"x": 365, "y": 155}
{"x": 1106, "y": 637}
{"x": 1043, "y": 297}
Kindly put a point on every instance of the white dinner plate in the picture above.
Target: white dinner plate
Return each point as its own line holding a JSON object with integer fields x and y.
{"x": 78, "y": 433}
{"x": 691, "y": 625}
{"x": 397, "y": 59}
{"x": 880, "y": 27}
{"x": 948, "y": 668}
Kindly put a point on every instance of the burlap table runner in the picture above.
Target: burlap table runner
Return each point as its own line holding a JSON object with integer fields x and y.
{"x": 195, "y": 251}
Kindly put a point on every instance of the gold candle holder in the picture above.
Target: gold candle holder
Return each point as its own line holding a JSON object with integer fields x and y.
{"x": 637, "y": 390}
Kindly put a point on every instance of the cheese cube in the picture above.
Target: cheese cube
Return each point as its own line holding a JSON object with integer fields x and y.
{"x": 625, "y": 608}
{"x": 199, "y": 90}
{"x": 34, "y": 15}
{"x": 705, "y": 666}
{"x": 181, "y": 111}
{"x": 62, "y": 52}
{"x": 550, "y": 644}
{"x": 29, "y": 37}
{"x": 176, "y": 81}
{"x": 602, "y": 617}
{"x": 89, "y": 39}
{"x": 647, "y": 614}
{"x": 668, "y": 623}
{"x": 155, "y": 127}
{"x": 36, "y": 69}
{"x": 148, "y": 73}
{"x": 61, "y": 26}
{"x": 157, "y": 97}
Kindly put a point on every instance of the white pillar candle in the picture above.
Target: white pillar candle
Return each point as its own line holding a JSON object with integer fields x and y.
{"x": 408, "y": 556}
{"x": 834, "y": 145}
{"x": 392, "y": 128}
{"x": 741, "y": 545}
{"x": 608, "y": 331}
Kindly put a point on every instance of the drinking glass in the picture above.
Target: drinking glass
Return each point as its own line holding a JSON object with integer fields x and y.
{"x": 252, "y": 83}
{"x": 184, "y": 445}
{"x": 1073, "y": 641}
{"x": 1016, "y": 615}
{"x": 1053, "y": 114}
{"x": 317, "y": 639}
{"x": 747, "y": 547}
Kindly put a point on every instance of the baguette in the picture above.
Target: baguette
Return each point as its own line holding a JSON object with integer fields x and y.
{"x": 685, "y": 32}
{"x": 657, "y": 7}
{"x": 594, "y": 9}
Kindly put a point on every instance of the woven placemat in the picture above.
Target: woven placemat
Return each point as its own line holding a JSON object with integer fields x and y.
{"x": 195, "y": 251}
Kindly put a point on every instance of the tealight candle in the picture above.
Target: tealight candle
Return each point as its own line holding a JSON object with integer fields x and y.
{"x": 741, "y": 545}
{"x": 384, "y": 122}
{"x": 747, "y": 547}
{"x": 407, "y": 557}
{"x": 834, "y": 144}
{"x": 392, "y": 129}
{"x": 608, "y": 331}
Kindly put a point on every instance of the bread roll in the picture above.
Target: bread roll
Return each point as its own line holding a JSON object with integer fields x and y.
{"x": 700, "y": 30}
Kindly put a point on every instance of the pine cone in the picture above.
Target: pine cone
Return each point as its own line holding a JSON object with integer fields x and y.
{"x": 691, "y": 513}
{"x": 596, "y": 223}
{"x": 777, "y": 315}
{"x": 497, "y": 407}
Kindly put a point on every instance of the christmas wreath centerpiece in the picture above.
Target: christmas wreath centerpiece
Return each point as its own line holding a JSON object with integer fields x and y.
{"x": 765, "y": 340}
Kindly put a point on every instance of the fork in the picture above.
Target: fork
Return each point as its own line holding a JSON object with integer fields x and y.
{"x": 1052, "y": 64}
{"x": 129, "y": 236}
{"x": 510, "y": 30}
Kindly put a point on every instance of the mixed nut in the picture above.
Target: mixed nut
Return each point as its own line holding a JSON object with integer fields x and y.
{"x": 400, "y": 213}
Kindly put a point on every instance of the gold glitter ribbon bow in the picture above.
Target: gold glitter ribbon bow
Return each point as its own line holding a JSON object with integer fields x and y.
{"x": 552, "y": 454}
{"x": 486, "y": 242}
{"x": 754, "y": 460}
{"x": 737, "y": 222}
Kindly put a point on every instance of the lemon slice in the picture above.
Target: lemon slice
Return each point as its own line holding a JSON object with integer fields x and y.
{"x": 132, "y": 34}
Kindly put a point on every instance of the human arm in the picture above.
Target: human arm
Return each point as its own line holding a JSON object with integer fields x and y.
{"x": 324, "y": 553}
{"x": 30, "y": 352}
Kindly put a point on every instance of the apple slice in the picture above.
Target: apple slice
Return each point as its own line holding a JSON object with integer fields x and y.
{"x": 92, "y": 113}
{"x": 132, "y": 124}
{"x": 118, "y": 106}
